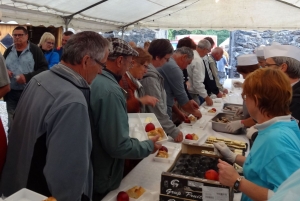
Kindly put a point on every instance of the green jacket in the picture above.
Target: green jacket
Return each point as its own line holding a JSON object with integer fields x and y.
{"x": 111, "y": 141}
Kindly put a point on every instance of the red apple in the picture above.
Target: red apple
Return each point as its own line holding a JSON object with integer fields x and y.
{"x": 212, "y": 175}
{"x": 214, "y": 109}
{"x": 189, "y": 137}
{"x": 163, "y": 148}
{"x": 149, "y": 127}
{"x": 187, "y": 121}
{"x": 122, "y": 196}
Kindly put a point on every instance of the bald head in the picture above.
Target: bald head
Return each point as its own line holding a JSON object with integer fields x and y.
{"x": 217, "y": 53}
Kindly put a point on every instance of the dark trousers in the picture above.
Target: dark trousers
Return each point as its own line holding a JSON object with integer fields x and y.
{"x": 99, "y": 196}
{"x": 12, "y": 98}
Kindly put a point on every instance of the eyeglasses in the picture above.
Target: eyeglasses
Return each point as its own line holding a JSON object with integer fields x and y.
{"x": 18, "y": 35}
{"x": 146, "y": 66}
{"x": 100, "y": 63}
{"x": 268, "y": 65}
{"x": 49, "y": 43}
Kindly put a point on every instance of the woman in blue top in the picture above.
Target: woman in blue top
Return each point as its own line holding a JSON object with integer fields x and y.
{"x": 275, "y": 155}
{"x": 46, "y": 43}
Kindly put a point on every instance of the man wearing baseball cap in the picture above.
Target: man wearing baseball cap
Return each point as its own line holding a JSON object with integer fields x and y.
{"x": 111, "y": 141}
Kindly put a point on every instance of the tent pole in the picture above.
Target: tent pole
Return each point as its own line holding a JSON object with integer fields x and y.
{"x": 67, "y": 20}
{"x": 123, "y": 29}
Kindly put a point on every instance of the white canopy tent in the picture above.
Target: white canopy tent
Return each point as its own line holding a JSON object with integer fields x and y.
{"x": 108, "y": 15}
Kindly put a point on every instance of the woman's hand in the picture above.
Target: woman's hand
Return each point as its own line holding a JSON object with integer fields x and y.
{"x": 227, "y": 174}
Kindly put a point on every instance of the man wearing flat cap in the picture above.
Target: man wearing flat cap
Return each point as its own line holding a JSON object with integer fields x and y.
{"x": 111, "y": 141}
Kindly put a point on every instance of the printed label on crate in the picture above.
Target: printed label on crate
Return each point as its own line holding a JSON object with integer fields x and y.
{"x": 185, "y": 194}
{"x": 214, "y": 194}
{"x": 195, "y": 184}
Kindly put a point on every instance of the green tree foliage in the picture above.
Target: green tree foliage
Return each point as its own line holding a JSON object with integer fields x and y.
{"x": 222, "y": 34}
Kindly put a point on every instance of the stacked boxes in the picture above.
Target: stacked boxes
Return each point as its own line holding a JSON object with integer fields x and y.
{"x": 185, "y": 178}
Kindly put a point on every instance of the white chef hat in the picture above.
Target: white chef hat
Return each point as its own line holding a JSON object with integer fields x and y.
{"x": 282, "y": 51}
{"x": 259, "y": 51}
{"x": 247, "y": 60}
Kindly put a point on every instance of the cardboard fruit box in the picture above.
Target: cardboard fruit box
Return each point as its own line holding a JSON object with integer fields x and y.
{"x": 189, "y": 182}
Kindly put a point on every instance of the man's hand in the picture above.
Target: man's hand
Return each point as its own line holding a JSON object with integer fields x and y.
{"x": 188, "y": 84}
{"x": 225, "y": 91}
{"x": 148, "y": 100}
{"x": 220, "y": 95}
{"x": 234, "y": 125}
{"x": 209, "y": 101}
{"x": 197, "y": 114}
{"x": 21, "y": 79}
{"x": 10, "y": 74}
{"x": 181, "y": 116}
{"x": 227, "y": 173}
{"x": 223, "y": 149}
{"x": 156, "y": 145}
{"x": 179, "y": 137}
{"x": 194, "y": 104}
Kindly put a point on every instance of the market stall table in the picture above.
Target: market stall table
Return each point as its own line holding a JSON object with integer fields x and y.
{"x": 148, "y": 172}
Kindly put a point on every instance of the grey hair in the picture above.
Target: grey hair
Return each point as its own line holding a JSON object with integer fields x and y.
{"x": 204, "y": 44}
{"x": 261, "y": 58}
{"x": 185, "y": 50}
{"x": 293, "y": 70}
{"x": 84, "y": 43}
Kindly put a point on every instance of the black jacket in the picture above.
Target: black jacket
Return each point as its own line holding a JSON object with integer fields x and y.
{"x": 295, "y": 104}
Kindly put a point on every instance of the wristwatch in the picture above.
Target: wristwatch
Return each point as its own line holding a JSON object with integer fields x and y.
{"x": 236, "y": 184}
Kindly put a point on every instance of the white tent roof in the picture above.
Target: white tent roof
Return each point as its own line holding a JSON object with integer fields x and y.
{"x": 111, "y": 15}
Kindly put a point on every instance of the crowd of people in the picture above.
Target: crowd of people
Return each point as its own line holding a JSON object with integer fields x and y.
{"x": 67, "y": 107}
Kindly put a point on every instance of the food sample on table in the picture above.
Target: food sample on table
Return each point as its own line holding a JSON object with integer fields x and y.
{"x": 212, "y": 110}
{"x": 122, "y": 196}
{"x": 157, "y": 131}
{"x": 149, "y": 127}
{"x": 187, "y": 121}
{"x": 224, "y": 95}
{"x": 192, "y": 118}
{"x": 230, "y": 143}
{"x": 148, "y": 120}
{"x": 192, "y": 136}
{"x": 136, "y": 192}
{"x": 222, "y": 120}
{"x": 50, "y": 199}
{"x": 162, "y": 154}
{"x": 231, "y": 108}
{"x": 194, "y": 165}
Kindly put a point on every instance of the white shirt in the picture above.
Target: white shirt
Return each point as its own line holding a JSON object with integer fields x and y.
{"x": 196, "y": 73}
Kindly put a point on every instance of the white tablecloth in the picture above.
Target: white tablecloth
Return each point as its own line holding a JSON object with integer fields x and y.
{"x": 148, "y": 172}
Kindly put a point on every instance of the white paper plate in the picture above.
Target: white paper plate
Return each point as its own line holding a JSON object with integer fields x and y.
{"x": 172, "y": 151}
{"x": 25, "y": 195}
{"x": 137, "y": 123}
{"x": 189, "y": 130}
